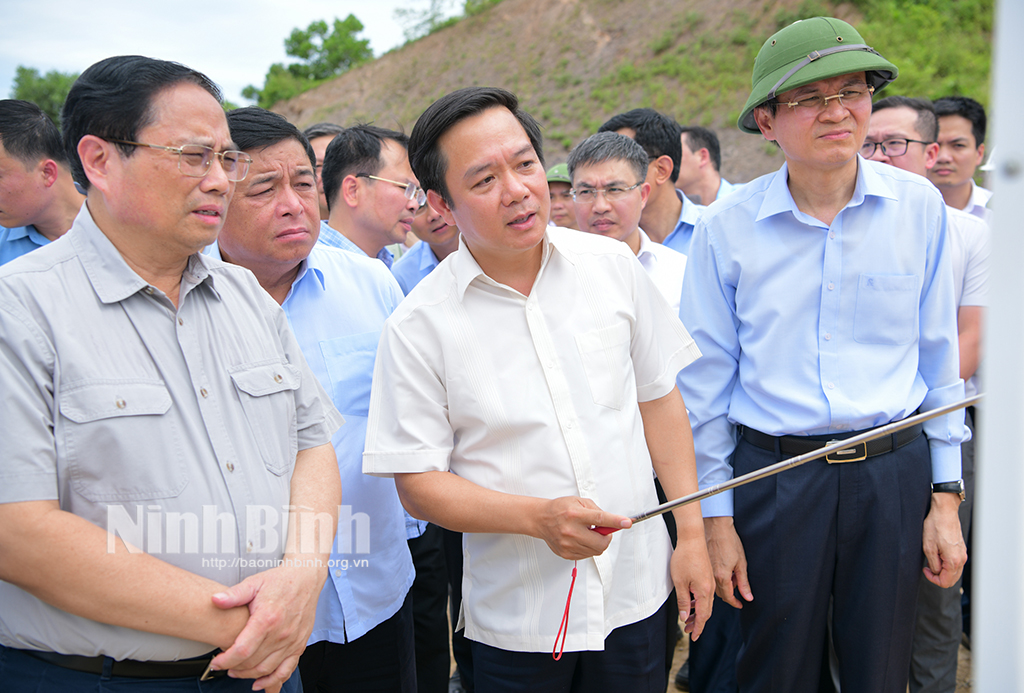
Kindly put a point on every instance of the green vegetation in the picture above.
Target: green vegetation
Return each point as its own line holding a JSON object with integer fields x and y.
{"x": 323, "y": 54}
{"x": 46, "y": 91}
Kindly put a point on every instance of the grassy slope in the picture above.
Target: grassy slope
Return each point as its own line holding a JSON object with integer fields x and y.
{"x": 574, "y": 63}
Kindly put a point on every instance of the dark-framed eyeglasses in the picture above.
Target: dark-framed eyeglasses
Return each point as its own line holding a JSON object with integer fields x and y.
{"x": 589, "y": 195}
{"x": 412, "y": 191}
{"x": 194, "y": 160}
{"x": 893, "y": 147}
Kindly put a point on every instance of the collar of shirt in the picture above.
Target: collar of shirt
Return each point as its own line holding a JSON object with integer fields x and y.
{"x": 646, "y": 256}
{"x": 778, "y": 199}
{"x": 467, "y": 269}
{"x": 111, "y": 277}
{"x": 979, "y": 199}
{"x": 16, "y": 233}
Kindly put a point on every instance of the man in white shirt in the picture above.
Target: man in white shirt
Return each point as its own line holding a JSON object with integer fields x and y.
{"x": 902, "y": 133}
{"x": 609, "y": 190}
{"x": 521, "y": 389}
{"x": 962, "y": 124}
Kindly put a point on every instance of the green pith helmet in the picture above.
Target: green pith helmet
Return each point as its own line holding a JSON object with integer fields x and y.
{"x": 559, "y": 173}
{"x": 807, "y": 51}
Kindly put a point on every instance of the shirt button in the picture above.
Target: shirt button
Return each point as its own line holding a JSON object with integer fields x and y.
{"x": 337, "y": 573}
{"x": 203, "y": 392}
{"x": 831, "y": 386}
{"x": 180, "y": 321}
{"x": 121, "y": 404}
{"x": 828, "y": 336}
{"x": 248, "y": 547}
{"x": 230, "y": 466}
{"x": 832, "y": 234}
{"x": 278, "y": 378}
{"x": 569, "y": 425}
{"x": 831, "y": 286}
{"x": 149, "y": 290}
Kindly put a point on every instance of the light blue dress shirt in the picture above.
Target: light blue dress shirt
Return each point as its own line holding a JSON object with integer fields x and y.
{"x": 809, "y": 329}
{"x": 336, "y": 308}
{"x": 725, "y": 187}
{"x": 335, "y": 239}
{"x": 418, "y": 262}
{"x": 682, "y": 234}
{"x": 18, "y": 241}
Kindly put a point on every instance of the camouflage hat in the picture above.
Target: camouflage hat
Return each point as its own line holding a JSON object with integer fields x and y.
{"x": 559, "y": 173}
{"x": 807, "y": 51}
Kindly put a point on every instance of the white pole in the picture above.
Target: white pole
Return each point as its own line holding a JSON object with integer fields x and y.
{"x": 998, "y": 591}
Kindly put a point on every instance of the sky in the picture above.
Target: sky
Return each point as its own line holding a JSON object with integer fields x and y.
{"x": 232, "y": 42}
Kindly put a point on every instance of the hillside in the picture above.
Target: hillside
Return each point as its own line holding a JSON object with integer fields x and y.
{"x": 574, "y": 63}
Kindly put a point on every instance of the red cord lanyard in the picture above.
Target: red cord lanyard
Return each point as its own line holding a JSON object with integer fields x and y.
{"x": 563, "y": 629}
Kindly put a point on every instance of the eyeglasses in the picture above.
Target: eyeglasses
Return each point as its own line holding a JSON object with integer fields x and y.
{"x": 194, "y": 160}
{"x": 589, "y": 195}
{"x": 847, "y": 96}
{"x": 893, "y": 147}
{"x": 412, "y": 191}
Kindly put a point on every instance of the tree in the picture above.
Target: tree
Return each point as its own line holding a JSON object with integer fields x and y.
{"x": 46, "y": 91}
{"x": 324, "y": 54}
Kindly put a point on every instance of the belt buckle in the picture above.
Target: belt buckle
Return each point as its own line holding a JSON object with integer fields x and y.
{"x": 208, "y": 674}
{"x": 855, "y": 454}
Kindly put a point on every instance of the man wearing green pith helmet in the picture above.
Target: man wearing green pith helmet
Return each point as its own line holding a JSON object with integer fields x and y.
{"x": 821, "y": 297}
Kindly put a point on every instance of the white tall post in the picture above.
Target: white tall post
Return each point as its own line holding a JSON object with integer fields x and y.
{"x": 998, "y": 591}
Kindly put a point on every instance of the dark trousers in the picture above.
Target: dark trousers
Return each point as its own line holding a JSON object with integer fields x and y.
{"x": 939, "y": 620}
{"x": 713, "y": 656}
{"x": 382, "y": 661}
{"x": 850, "y": 532}
{"x": 22, "y": 673}
{"x": 633, "y": 661}
{"x": 461, "y": 650}
{"x": 430, "y": 611}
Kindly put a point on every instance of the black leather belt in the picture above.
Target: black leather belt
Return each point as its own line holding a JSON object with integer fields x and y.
{"x": 181, "y": 669}
{"x": 791, "y": 446}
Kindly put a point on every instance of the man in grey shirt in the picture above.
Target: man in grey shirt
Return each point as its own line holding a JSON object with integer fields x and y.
{"x": 168, "y": 483}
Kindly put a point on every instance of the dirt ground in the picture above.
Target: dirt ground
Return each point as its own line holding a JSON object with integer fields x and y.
{"x": 963, "y": 671}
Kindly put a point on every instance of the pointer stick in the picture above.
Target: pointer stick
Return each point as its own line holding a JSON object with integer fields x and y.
{"x": 772, "y": 470}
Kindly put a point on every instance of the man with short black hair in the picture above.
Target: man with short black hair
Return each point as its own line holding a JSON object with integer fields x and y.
{"x": 609, "y": 203}
{"x": 669, "y": 216}
{"x": 336, "y": 303}
{"x": 902, "y": 133}
{"x": 371, "y": 191}
{"x": 700, "y": 176}
{"x": 320, "y": 135}
{"x": 170, "y": 489}
{"x": 962, "y": 124}
{"x": 38, "y": 199}
{"x": 821, "y": 297}
{"x": 538, "y": 365}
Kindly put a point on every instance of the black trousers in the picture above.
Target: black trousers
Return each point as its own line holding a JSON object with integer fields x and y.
{"x": 430, "y": 610}
{"x": 382, "y": 661}
{"x": 850, "y": 532}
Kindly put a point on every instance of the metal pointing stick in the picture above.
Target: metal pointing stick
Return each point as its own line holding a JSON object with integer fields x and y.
{"x": 772, "y": 470}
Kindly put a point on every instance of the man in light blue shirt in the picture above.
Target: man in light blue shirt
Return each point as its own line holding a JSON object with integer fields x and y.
{"x": 38, "y": 199}
{"x": 822, "y": 299}
{"x": 699, "y": 169}
{"x": 336, "y": 303}
{"x": 669, "y": 216}
{"x": 371, "y": 191}
{"x": 438, "y": 240}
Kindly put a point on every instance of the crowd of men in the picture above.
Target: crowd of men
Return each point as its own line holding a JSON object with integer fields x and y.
{"x": 278, "y": 405}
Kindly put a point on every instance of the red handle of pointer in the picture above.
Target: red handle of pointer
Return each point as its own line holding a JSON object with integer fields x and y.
{"x": 604, "y": 530}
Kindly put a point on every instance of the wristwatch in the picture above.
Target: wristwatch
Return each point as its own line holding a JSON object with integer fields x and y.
{"x": 956, "y": 487}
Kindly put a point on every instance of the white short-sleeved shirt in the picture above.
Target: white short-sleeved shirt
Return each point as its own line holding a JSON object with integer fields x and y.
{"x": 665, "y": 267}
{"x": 969, "y": 251}
{"x": 536, "y": 395}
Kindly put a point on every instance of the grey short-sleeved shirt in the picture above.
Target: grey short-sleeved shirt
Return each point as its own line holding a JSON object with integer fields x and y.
{"x": 176, "y": 430}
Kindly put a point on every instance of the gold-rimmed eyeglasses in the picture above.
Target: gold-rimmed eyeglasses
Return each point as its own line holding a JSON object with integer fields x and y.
{"x": 194, "y": 160}
{"x": 412, "y": 191}
{"x": 847, "y": 96}
{"x": 589, "y": 195}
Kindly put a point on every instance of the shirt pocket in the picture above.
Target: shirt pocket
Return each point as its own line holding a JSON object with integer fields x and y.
{"x": 110, "y": 428}
{"x": 887, "y": 309}
{"x": 606, "y": 361}
{"x": 349, "y": 363}
{"x": 266, "y": 392}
